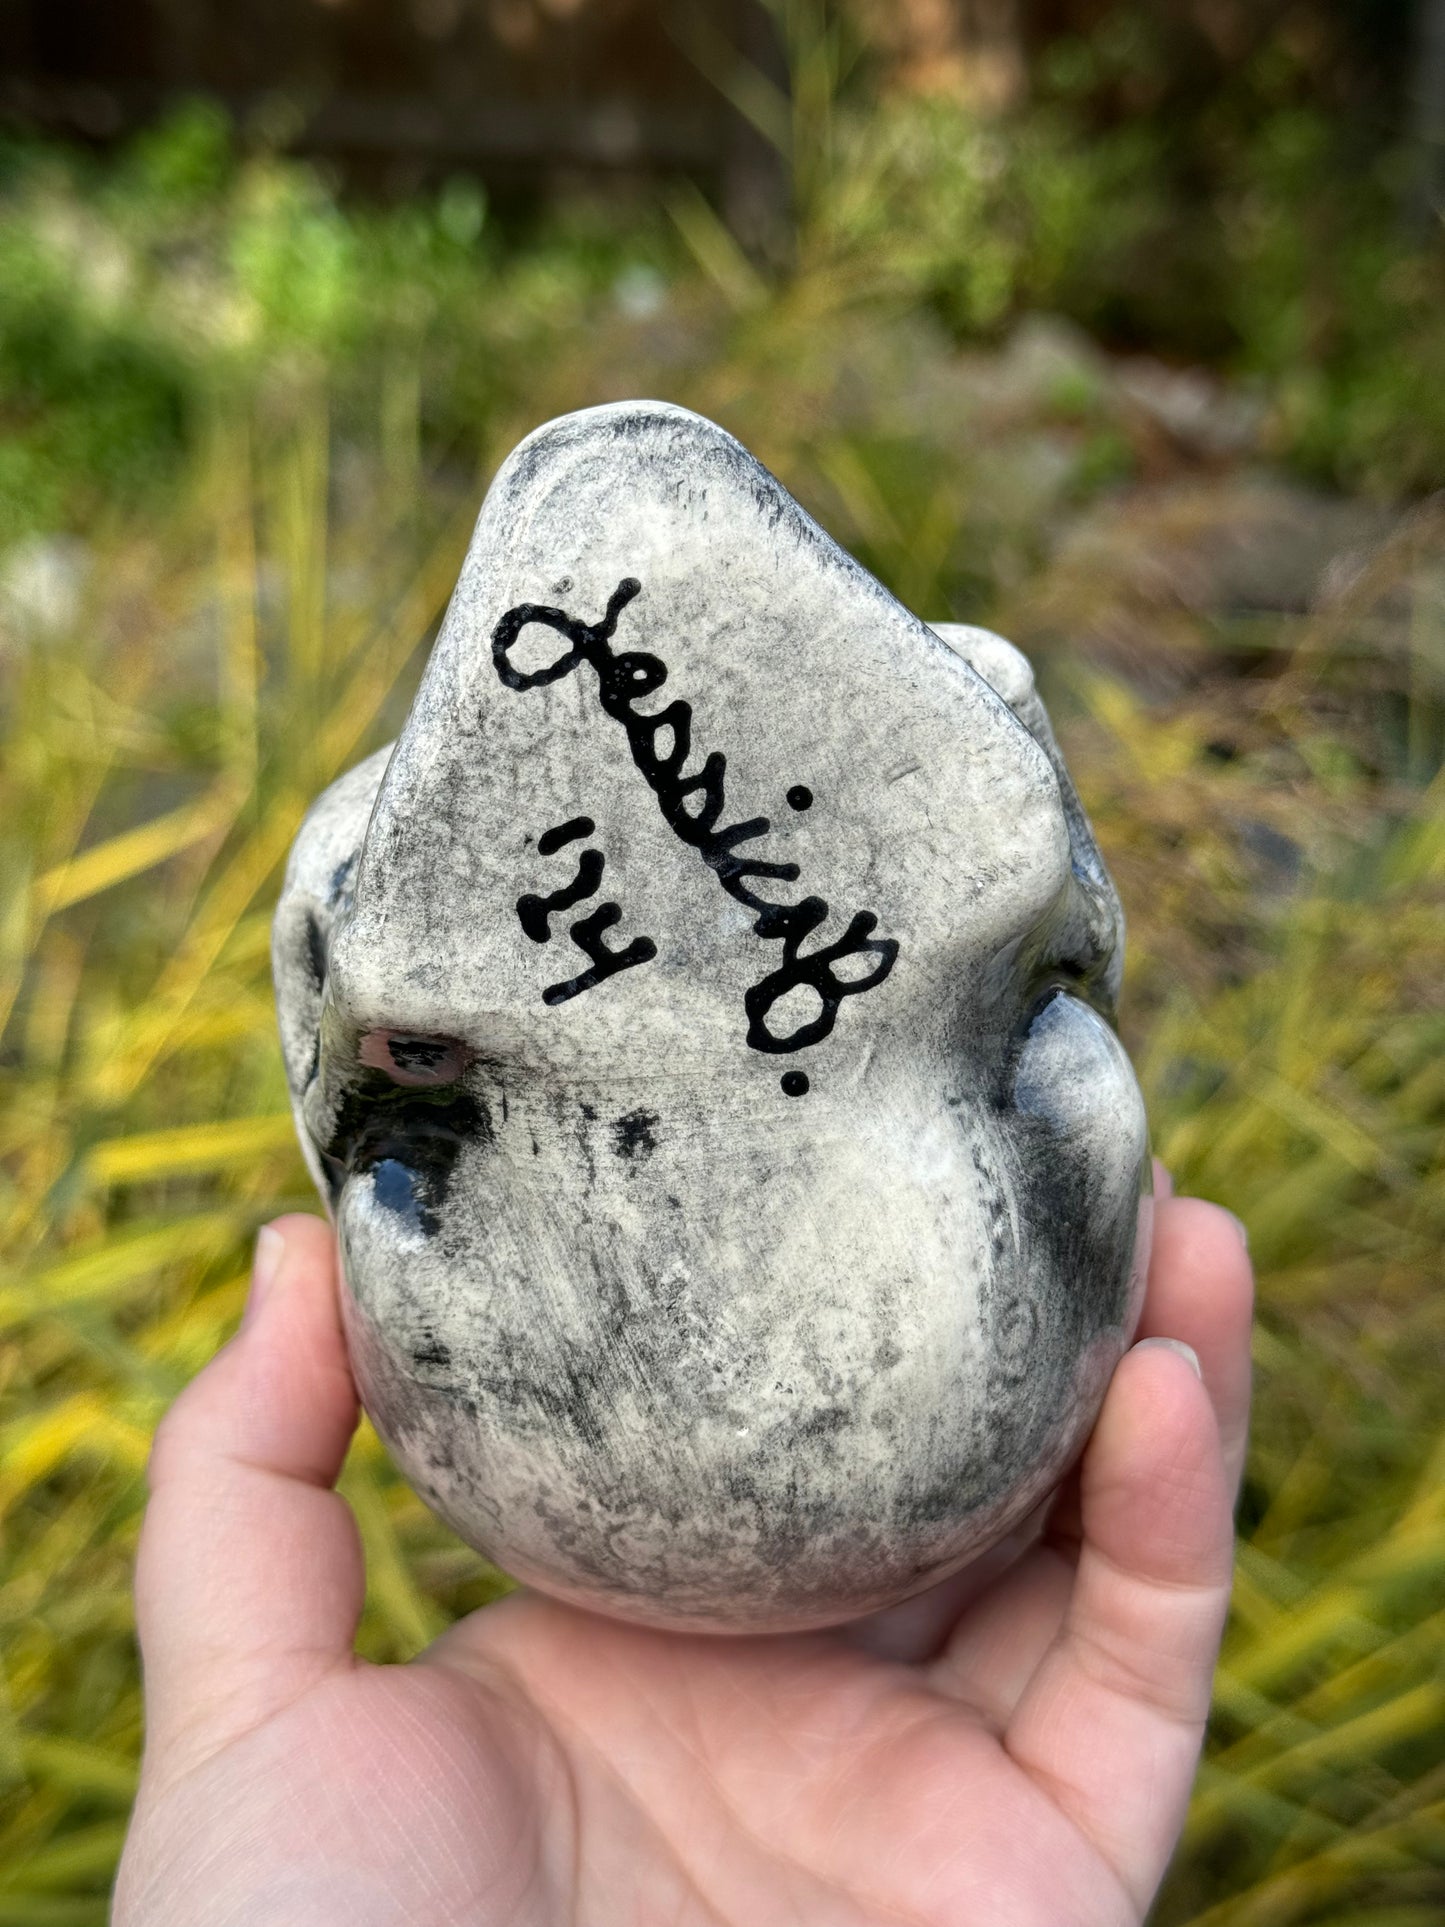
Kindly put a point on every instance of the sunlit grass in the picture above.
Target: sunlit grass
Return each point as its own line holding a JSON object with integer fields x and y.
{"x": 1289, "y": 1030}
{"x": 157, "y": 763}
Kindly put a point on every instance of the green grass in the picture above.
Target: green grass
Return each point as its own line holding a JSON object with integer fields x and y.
{"x": 262, "y": 581}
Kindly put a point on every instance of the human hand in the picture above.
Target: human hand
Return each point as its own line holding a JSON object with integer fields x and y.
{"x": 1013, "y": 1749}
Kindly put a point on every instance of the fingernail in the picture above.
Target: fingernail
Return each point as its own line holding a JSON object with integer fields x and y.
{"x": 1186, "y": 1352}
{"x": 270, "y": 1246}
{"x": 1240, "y": 1226}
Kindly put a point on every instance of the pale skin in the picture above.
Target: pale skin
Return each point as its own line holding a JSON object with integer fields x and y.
{"x": 1014, "y": 1749}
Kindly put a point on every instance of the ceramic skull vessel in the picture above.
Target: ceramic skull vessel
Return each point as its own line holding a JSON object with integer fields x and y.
{"x": 699, "y": 1024}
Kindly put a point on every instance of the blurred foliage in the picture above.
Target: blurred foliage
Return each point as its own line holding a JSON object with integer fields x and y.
{"x": 245, "y": 425}
{"x": 1254, "y": 226}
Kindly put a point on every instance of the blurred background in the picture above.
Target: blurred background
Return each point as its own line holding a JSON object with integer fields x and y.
{"x": 1119, "y": 327}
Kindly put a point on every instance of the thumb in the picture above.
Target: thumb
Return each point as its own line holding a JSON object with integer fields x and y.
{"x": 249, "y": 1577}
{"x": 1113, "y": 1720}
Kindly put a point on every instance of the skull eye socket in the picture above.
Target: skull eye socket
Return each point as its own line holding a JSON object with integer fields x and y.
{"x": 413, "y": 1060}
{"x": 398, "y": 1118}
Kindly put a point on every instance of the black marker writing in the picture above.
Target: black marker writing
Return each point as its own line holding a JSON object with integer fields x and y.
{"x": 586, "y": 933}
{"x": 535, "y": 913}
{"x": 561, "y": 834}
{"x": 691, "y": 806}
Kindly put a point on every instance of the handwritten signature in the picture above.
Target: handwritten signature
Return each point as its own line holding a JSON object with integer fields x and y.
{"x": 691, "y": 806}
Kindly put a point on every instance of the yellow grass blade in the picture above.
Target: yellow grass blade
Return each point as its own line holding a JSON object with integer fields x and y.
{"x": 119, "y": 858}
{"x": 82, "y": 1426}
{"x": 714, "y": 249}
{"x": 38, "y": 1910}
{"x": 409, "y": 1618}
{"x": 86, "y": 1854}
{"x": 187, "y": 1149}
{"x": 80, "y": 1767}
{"x": 115, "y": 1264}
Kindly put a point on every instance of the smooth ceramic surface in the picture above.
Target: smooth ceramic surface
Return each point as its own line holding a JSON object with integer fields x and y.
{"x": 699, "y": 1023}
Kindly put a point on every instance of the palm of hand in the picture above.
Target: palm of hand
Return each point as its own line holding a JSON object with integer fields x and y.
{"x": 1015, "y": 1753}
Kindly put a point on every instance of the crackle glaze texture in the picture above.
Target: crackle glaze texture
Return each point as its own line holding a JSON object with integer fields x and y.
{"x": 699, "y": 1023}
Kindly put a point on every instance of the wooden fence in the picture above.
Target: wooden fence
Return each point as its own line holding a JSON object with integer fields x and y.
{"x": 518, "y": 90}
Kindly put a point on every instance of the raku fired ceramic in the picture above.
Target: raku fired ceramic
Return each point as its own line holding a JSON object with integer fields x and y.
{"x": 699, "y": 1022}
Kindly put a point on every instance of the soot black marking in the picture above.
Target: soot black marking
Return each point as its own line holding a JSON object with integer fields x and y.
{"x": 800, "y": 797}
{"x": 635, "y": 1136}
{"x": 691, "y": 805}
{"x": 408, "y": 1140}
{"x": 315, "y": 952}
{"x": 794, "y": 1083}
{"x": 535, "y": 915}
